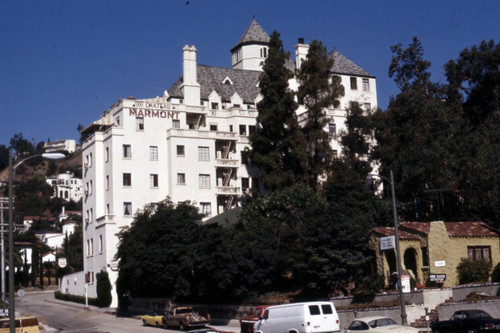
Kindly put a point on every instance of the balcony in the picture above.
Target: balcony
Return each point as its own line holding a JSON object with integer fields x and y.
{"x": 228, "y": 190}
{"x": 226, "y": 163}
{"x": 105, "y": 219}
{"x": 194, "y": 133}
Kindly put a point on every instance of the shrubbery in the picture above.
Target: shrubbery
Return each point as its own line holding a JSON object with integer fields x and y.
{"x": 104, "y": 297}
{"x": 75, "y": 298}
{"x": 469, "y": 271}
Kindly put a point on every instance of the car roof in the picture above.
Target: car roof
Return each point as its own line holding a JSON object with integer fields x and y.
{"x": 370, "y": 318}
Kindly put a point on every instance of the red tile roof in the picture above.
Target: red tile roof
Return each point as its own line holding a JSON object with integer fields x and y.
{"x": 420, "y": 227}
{"x": 470, "y": 229}
{"x": 386, "y": 231}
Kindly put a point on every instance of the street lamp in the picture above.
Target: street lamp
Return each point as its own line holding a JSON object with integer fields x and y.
{"x": 12, "y": 309}
{"x": 398, "y": 255}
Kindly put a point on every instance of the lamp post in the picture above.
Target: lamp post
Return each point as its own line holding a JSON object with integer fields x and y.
{"x": 404, "y": 320}
{"x": 12, "y": 308}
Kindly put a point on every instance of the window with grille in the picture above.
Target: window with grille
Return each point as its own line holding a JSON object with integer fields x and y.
{"x": 206, "y": 208}
{"x": 204, "y": 181}
{"x": 203, "y": 154}
{"x": 479, "y": 253}
{"x": 153, "y": 153}
{"x": 180, "y": 150}
{"x": 366, "y": 84}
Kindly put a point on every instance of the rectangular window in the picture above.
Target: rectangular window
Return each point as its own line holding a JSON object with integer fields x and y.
{"x": 251, "y": 129}
{"x": 203, "y": 153}
{"x": 108, "y": 209}
{"x": 245, "y": 183}
{"x": 354, "y": 83}
{"x": 332, "y": 129}
{"x": 213, "y": 128}
{"x": 153, "y": 153}
{"x": 244, "y": 158}
{"x": 127, "y": 179}
{"x": 206, "y": 208}
{"x": 367, "y": 106}
{"x": 366, "y": 84}
{"x": 479, "y": 253}
{"x": 176, "y": 123}
{"x": 181, "y": 178}
{"x": 107, "y": 182}
{"x": 214, "y": 106}
{"x": 230, "y": 128}
{"x": 127, "y": 151}
{"x": 153, "y": 180}
{"x": 101, "y": 247}
{"x": 88, "y": 247}
{"x": 127, "y": 208}
{"x": 243, "y": 129}
{"x": 139, "y": 124}
{"x": 107, "y": 154}
{"x": 91, "y": 246}
{"x": 204, "y": 181}
{"x": 180, "y": 150}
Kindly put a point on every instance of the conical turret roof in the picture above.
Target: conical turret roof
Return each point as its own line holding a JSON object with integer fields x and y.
{"x": 253, "y": 35}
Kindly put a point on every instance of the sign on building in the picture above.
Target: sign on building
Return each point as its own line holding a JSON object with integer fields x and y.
{"x": 438, "y": 278}
{"x": 387, "y": 243}
{"x": 405, "y": 282}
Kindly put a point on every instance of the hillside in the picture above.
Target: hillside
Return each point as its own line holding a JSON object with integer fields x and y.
{"x": 25, "y": 171}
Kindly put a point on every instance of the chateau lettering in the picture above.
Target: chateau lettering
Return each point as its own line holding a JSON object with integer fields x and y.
{"x": 153, "y": 113}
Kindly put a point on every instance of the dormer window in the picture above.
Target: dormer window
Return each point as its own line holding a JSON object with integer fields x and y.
{"x": 227, "y": 81}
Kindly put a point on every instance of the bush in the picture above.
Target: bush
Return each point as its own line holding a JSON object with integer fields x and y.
{"x": 370, "y": 286}
{"x": 75, "y": 298}
{"x": 104, "y": 297}
{"x": 495, "y": 275}
{"x": 469, "y": 271}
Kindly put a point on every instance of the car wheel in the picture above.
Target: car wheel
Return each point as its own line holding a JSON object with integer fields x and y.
{"x": 182, "y": 327}
{"x": 157, "y": 324}
{"x": 143, "y": 322}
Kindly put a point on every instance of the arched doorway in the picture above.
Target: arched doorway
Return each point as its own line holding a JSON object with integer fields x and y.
{"x": 410, "y": 262}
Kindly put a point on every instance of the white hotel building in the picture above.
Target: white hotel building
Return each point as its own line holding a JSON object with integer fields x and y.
{"x": 186, "y": 145}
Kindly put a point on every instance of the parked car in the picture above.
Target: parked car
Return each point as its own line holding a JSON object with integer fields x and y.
{"x": 306, "y": 317}
{"x": 23, "y": 324}
{"x": 247, "y": 322}
{"x": 468, "y": 321}
{"x": 152, "y": 319}
{"x": 378, "y": 325}
{"x": 185, "y": 317}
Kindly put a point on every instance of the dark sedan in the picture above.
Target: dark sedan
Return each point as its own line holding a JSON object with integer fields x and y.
{"x": 467, "y": 321}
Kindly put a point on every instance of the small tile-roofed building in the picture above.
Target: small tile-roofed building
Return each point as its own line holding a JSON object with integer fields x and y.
{"x": 433, "y": 250}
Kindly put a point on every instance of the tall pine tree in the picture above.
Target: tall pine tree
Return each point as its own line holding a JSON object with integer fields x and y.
{"x": 318, "y": 91}
{"x": 278, "y": 146}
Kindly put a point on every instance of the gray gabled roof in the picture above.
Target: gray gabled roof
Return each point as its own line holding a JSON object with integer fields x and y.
{"x": 253, "y": 35}
{"x": 244, "y": 82}
{"x": 344, "y": 66}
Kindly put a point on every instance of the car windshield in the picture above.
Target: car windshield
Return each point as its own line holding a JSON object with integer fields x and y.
{"x": 381, "y": 322}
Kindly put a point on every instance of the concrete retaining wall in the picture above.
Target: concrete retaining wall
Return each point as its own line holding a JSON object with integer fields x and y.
{"x": 445, "y": 311}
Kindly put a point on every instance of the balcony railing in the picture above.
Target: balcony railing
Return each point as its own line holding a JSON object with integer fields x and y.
{"x": 227, "y": 163}
{"x": 228, "y": 190}
{"x": 105, "y": 219}
{"x": 194, "y": 133}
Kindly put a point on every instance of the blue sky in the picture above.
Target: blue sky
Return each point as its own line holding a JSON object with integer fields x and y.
{"x": 64, "y": 62}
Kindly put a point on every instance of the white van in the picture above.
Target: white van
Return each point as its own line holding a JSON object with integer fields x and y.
{"x": 310, "y": 317}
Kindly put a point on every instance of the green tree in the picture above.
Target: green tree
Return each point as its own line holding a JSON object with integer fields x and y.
{"x": 278, "y": 146}
{"x": 336, "y": 248}
{"x": 22, "y": 146}
{"x": 73, "y": 249}
{"x": 416, "y": 138}
{"x": 103, "y": 287}
{"x": 4, "y": 157}
{"x": 318, "y": 91}
{"x": 157, "y": 253}
{"x": 469, "y": 271}
{"x": 474, "y": 83}
{"x": 32, "y": 197}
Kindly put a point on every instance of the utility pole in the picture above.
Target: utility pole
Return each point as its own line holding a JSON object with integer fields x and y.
{"x": 2, "y": 245}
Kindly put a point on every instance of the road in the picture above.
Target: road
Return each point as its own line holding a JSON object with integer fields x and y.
{"x": 61, "y": 316}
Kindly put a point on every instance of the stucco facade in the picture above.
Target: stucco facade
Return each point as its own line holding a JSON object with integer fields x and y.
{"x": 433, "y": 250}
{"x": 188, "y": 145}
